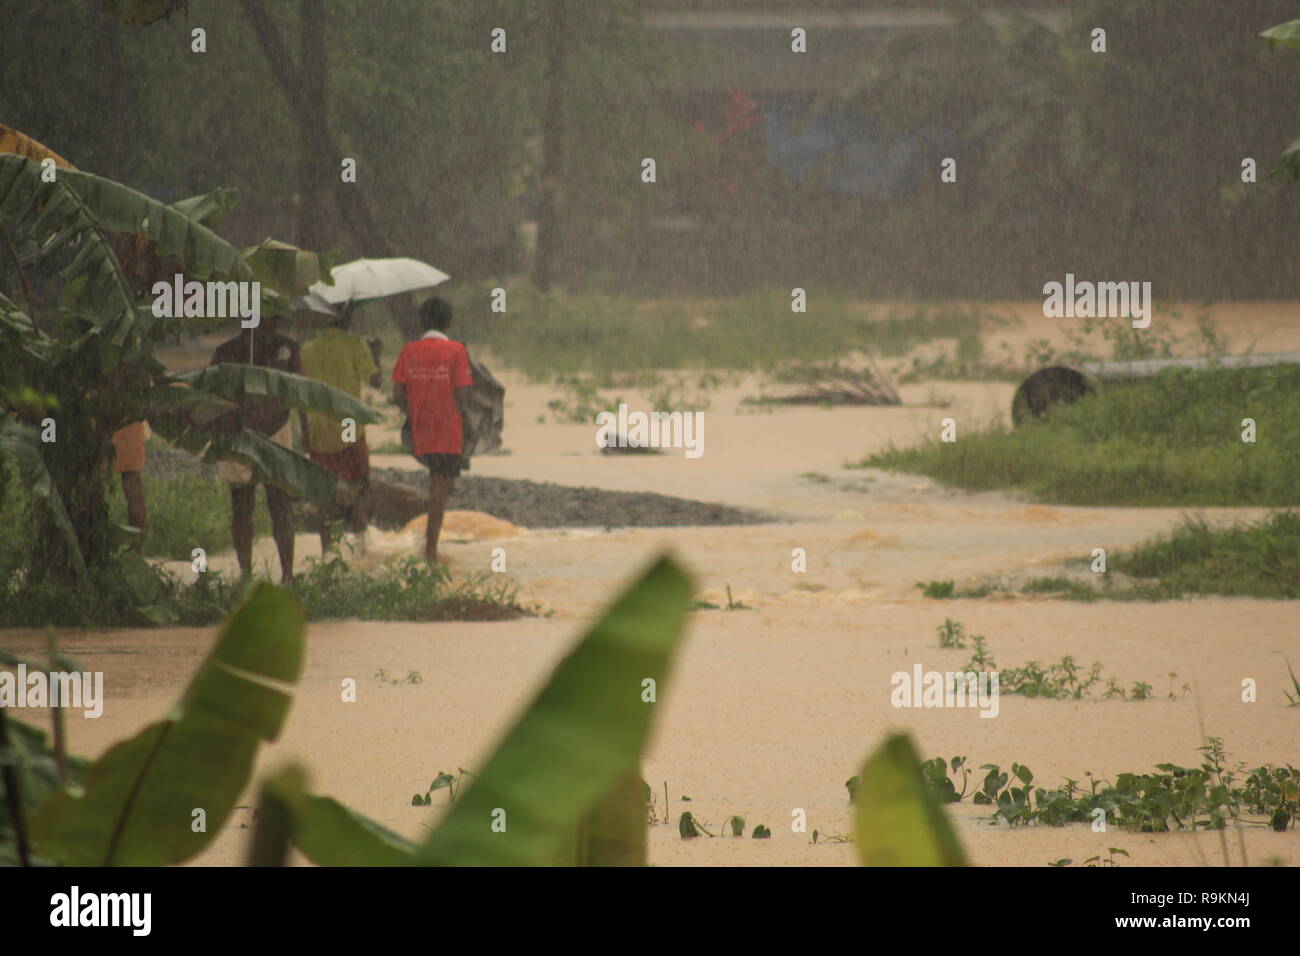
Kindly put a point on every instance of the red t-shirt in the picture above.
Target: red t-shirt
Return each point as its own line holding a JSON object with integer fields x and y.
{"x": 432, "y": 369}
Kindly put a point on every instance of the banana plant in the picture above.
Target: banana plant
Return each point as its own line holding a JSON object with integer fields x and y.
{"x": 1286, "y": 35}
{"x": 561, "y": 788}
{"x": 78, "y": 331}
{"x": 161, "y": 796}
{"x": 898, "y": 822}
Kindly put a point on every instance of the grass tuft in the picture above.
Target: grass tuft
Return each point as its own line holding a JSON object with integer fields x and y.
{"x": 1172, "y": 441}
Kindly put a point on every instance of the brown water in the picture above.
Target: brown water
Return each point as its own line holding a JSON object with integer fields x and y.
{"x": 772, "y": 709}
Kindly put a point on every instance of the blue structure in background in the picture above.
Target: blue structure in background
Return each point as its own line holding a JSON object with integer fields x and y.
{"x": 837, "y": 147}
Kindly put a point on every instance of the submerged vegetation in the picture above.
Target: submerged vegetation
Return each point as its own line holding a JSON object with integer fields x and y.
{"x": 1209, "y": 796}
{"x": 1065, "y": 679}
{"x": 142, "y": 595}
{"x": 1259, "y": 559}
{"x": 599, "y": 335}
{"x": 1173, "y": 441}
{"x": 563, "y": 785}
{"x": 1255, "y": 559}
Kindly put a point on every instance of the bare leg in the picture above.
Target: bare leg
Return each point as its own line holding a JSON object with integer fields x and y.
{"x": 439, "y": 491}
{"x": 359, "y": 514}
{"x": 326, "y": 516}
{"x": 278, "y": 503}
{"x": 133, "y": 489}
{"x": 242, "y": 498}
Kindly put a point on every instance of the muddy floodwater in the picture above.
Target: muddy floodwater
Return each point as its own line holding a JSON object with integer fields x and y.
{"x": 772, "y": 708}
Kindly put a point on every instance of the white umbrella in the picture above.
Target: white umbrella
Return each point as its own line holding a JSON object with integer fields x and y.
{"x": 315, "y": 303}
{"x": 364, "y": 279}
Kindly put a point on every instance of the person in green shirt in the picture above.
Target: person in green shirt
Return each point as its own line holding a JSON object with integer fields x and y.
{"x": 339, "y": 358}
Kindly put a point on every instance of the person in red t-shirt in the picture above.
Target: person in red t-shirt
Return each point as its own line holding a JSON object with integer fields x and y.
{"x": 428, "y": 374}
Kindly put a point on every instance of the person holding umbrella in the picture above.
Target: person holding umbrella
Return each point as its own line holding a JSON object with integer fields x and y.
{"x": 339, "y": 358}
{"x": 429, "y": 376}
{"x": 269, "y": 417}
{"x": 433, "y": 376}
{"x": 364, "y": 280}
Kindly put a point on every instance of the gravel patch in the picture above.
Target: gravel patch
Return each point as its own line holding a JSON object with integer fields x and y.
{"x": 528, "y": 504}
{"x": 532, "y": 504}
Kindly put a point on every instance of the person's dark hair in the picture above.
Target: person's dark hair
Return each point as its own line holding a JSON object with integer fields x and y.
{"x": 343, "y": 320}
{"x": 435, "y": 315}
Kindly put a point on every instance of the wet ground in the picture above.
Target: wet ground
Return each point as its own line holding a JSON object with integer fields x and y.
{"x": 772, "y": 708}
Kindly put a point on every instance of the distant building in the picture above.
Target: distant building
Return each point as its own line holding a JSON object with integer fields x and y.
{"x": 740, "y": 83}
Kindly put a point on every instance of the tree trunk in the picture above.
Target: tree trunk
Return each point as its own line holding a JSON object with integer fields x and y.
{"x": 112, "y": 111}
{"x": 548, "y": 261}
{"x": 313, "y": 129}
{"x": 319, "y": 163}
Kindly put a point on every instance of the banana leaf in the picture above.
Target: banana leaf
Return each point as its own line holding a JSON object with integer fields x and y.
{"x": 194, "y": 408}
{"x": 38, "y": 761}
{"x": 209, "y": 208}
{"x": 1288, "y": 165}
{"x": 239, "y": 382}
{"x": 327, "y": 833}
{"x": 37, "y": 767}
{"x": 1284, "y": 34}
{"x": 277, "y": 465}
{"x": 581, "y": 738}
{"x": 140, "y": 796}
{"x": 14, "y": 319}
{"x": 271, "y": 462}
{"x": 79, "y": 212}
{"x": 566, "y": 775}
{"x": 187, "y": 423}
{"x": 12, "y": 141}
{"x": 21, "y": 444}
{"x": 288, "y": 269}
{"x": 898, "y": 822}
{"x": 613, "y": 832}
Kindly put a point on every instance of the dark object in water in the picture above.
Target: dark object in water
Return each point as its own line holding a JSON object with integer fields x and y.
{"x": 622, "y": 445}
{"x": 1054, "y": 385}
{"x": 1066, "y": 384}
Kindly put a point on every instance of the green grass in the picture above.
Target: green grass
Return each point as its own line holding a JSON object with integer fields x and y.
{"x": 1210, "y": 796}
{"x": 186, "y": 512}
{"x": 1247, "y": 560}
{"x": 593, "y": 334}
{"x": 1259, "y": 559}
{"x": 405, "y": 590}
{"x": 1172, "y": 441}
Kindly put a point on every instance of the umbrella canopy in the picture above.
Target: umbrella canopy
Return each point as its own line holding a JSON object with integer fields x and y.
{"x": 365, "y": 279}
{"x": 315, "y": 303}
